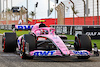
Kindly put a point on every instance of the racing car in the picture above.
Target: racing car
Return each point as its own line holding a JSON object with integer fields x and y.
{"x": 42, "y": 41}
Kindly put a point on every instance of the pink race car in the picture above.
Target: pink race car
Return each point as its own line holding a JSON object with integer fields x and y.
{"x": 42, "y": 41}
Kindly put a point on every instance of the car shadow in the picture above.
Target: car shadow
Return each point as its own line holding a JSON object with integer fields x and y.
{"x": 17, "y": 58}
{"x": 60, "y": 59}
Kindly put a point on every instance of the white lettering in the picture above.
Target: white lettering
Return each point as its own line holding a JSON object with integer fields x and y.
{"x": 91, "y": 33}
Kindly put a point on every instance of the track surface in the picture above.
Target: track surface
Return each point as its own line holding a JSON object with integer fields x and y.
{"x": 14, "y": 60}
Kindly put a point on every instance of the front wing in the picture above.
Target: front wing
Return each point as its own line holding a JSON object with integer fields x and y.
{"x": 58, "y": 53}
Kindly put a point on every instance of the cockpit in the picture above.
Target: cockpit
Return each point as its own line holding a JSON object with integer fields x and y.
{"x": 44, "y": 31}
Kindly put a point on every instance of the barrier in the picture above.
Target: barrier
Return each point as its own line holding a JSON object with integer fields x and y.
{"x": 94, "y": 33}
{"x": 5, "y": 27}
{"x": 72, "y": 29}
{"x": 60, "y": 29}
{"x": 18, "y": 27}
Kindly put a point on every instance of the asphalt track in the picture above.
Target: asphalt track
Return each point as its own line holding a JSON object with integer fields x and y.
{"x": 14, "y": 60}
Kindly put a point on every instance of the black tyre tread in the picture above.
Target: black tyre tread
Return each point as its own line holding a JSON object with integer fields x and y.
{"x": 10, "y": 42}
{"x": 31, "y": 40}
{"x": 76, "y": 44}
{"x": 85, "y": 43}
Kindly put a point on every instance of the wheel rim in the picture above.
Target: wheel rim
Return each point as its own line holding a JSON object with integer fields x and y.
{"x": 22, "y": 49}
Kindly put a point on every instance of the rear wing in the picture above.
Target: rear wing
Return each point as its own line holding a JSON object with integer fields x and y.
{"x": 22, "y": 27}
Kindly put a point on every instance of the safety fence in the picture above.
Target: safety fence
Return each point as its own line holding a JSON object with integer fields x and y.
{"x": 72, "y": 29}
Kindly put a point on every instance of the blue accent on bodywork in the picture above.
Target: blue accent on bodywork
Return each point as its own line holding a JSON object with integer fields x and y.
{"x": 81, "y": 53}
{"x": 44, "y": 53}
{"x": 18, "y": 42}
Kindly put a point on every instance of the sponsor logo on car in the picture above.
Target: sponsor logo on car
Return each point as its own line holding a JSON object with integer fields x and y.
{"x": 82, "y": 53}
{"x": 44, "y": 53}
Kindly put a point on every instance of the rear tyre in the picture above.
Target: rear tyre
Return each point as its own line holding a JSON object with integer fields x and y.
{"x": 28, "y": 44}
{"x": 9, "y": 42}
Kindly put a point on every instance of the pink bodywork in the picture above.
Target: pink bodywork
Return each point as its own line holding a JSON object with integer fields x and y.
{"x": 51, "y": 35}
{"x": 19, "y": 42}
{"x": 62, "y": 49}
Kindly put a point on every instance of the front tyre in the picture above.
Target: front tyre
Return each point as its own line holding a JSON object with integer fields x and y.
{"x": 28, "y": 45}
{"x": 83, "y": 42}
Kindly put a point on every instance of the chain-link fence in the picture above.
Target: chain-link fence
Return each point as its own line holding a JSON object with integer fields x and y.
{"x": 11, "y": 16}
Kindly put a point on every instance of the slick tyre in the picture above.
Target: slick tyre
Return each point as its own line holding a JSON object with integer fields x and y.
{"x": 9, "y": 42}
{"x": 28, "y": 44}
{"x": 83, "y": 42}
